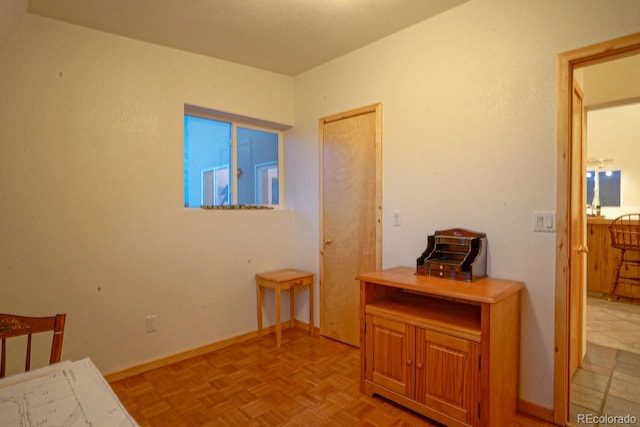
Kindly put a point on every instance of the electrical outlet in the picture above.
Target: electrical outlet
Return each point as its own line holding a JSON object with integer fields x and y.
{"x": 152, "y": 323}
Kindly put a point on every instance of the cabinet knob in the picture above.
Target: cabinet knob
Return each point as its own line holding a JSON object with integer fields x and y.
{"x": 582, "y": 249}
{"x": 327, "y": 241}
{"x": 419, "y": 365}
{"x": 409, "y": 362}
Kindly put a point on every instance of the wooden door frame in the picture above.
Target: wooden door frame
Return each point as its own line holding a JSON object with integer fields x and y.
{"x": 377, "y": 110}
{"x": 567, "y": 63}
{"x": 577, "y": 263}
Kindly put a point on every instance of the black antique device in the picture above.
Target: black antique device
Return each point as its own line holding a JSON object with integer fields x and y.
{"x": 454, "y": 254}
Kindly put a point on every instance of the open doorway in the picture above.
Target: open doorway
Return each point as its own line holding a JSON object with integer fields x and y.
{"x": 571, "y": 218}
{"x": 605, "y": 382}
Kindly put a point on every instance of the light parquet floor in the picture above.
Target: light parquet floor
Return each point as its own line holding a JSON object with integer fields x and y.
{"x": 309, "y": 381}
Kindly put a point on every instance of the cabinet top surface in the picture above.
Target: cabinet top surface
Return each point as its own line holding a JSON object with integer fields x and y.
{"x": 599, "y": 220}
{"x": 284, "y": 275}
{"x": 485, "y": 290}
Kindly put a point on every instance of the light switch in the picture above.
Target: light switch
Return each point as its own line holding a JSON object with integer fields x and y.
{"x": 396, "y": 219}
{"x": 548, "y": 222}
{"x": 544, "y": 222}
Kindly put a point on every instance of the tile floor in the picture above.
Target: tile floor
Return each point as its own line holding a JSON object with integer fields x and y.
{"x": 608, "y": 383}
{"x": 614, "y": 324}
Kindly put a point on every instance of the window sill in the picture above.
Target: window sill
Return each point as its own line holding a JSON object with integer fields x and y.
{"x": 237, "y": 207}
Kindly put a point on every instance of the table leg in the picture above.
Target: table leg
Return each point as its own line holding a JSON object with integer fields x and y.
{"x": 278, "y": 327}
{"x": 292, "y": 306}
{"x": 311, "y": 305}
{"x": 260, "y": 291}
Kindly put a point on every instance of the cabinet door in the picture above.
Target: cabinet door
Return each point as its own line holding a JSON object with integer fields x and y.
{"x": 390, "y": 354}
{"x": 448, "y": 375}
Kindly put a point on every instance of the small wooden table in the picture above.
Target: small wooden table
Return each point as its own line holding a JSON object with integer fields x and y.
{"x": 284, "y": 280}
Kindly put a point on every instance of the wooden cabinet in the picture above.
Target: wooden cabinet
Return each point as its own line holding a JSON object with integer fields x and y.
{"x": 391, "y": 346}
{"x": 603, "y": 259}
{"x": 450, "y": 377}
{"x": 448, "y": 350}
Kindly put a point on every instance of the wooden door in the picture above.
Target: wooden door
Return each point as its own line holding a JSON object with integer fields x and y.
{"x": 448, "y": 375}
{"x": 390, "y": 354}
{"x": 350, "y": 216}
{"x": 577, "y": 235}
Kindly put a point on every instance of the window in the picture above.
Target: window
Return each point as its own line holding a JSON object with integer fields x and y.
{"x": 609, "y": 188}
{"x": 214, "y": 147}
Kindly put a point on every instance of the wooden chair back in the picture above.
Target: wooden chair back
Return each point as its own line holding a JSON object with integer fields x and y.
{"x": 625, "y": 232}
{"x": 15, "y": 326}
{"x": 625, "y": 235}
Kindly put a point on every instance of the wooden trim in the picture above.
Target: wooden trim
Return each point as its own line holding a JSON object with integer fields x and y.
{"x": 373, "y": 108}
{"x": 178, "y": 357}
{"x": 198, "y": 351}
{"x": 604, "y": 52}
{"x": 536, "y": 411}
{"x": 561, "y": 359}
{"x": 301, "y": 325}
{"x": 567, "y": 63}
{"x": 321, "y": 219}
{"x": 378, "y": 112}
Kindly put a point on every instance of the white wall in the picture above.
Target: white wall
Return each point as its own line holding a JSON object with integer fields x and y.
{"x": 612, "y": 81}
{"x": 91, "y": 194}
{"x": 469, "y": 139}
{"x": 10, "y": 14}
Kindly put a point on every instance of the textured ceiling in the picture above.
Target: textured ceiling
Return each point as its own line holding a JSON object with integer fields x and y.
{"x": 284, "y": 36}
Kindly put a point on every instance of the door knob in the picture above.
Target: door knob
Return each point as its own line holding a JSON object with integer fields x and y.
{"x": 327, "y": 241}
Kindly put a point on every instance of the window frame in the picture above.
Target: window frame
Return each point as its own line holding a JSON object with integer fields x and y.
{"x": 237, "y": 121}
{"x": 604, "y": 195}
{"x": 258, "y": 184}
{"x": 214, "y": 184}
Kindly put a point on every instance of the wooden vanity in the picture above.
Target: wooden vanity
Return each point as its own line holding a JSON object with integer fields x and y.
{"x": 446, "y": 349}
